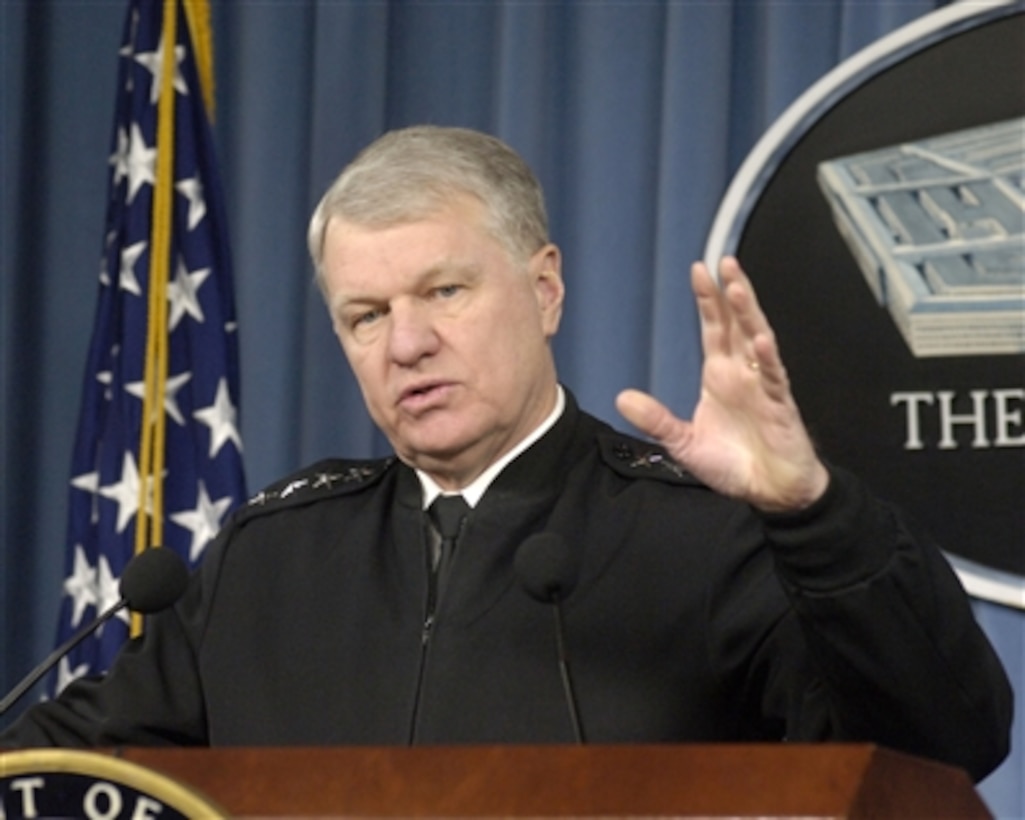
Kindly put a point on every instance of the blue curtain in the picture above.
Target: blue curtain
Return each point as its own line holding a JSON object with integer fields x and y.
{"x": 634, "y": 115}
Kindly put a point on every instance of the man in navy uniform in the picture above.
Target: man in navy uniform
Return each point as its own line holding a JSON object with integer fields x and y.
{"x": 723, "y": 583}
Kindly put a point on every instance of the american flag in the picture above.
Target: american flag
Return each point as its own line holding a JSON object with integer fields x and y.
{"x": 157, "y": 457}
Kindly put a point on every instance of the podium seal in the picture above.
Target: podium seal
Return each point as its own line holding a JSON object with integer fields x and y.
{"x": 76, "y": 783}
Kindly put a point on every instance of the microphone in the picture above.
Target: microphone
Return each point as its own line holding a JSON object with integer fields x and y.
{"x": 153, "y": 580}
{"x": 548, "y": 572}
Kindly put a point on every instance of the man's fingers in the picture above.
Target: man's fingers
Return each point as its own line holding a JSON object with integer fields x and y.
{"x": 742, "y": 298}
{"x": 651, "y": 417}
{"x": 715, "y": 325}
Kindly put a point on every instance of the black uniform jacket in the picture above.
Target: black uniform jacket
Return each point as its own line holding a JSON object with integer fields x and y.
{"x": 313, "y": 620}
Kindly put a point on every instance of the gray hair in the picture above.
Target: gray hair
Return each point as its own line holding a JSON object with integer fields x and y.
{"x": 407, "y": 175}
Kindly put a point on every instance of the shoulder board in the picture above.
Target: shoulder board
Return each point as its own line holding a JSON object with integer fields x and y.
{"x": 634, "y": 458}
{"x": 325, "y": 479}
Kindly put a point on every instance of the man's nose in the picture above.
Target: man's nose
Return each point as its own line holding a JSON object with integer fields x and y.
{"x": 412, "y": 334}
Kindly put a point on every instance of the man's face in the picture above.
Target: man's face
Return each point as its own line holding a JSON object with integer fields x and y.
{"x": 447, "y": 335}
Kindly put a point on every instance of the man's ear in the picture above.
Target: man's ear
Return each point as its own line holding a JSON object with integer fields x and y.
{"x": 545, "y": 269}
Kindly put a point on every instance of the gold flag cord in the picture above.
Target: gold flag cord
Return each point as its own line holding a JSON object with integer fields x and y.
{"x": 150, "y": 517}
{"x": 197, "y": 13}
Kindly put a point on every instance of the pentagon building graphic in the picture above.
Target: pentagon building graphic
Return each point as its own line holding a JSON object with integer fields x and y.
{"x": 938, "y": 229}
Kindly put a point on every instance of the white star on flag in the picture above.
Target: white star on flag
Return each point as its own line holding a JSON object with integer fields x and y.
{"x": 66, "y": 673}
{"x": 106, "y": 378}
{"x": 192, "y": 190}
{"x": 183, "y": 294}
{"x": 81, "y": 586}
{"x": 119, "y": 159}
{"x": 108, "y": 588}
{"x": 129, "y": 256}
{"x": 171, "y": 388}
{"x": 220, "y": 418}
{"x": 90, "y": 482}
{"x": 104, "y": 262}
{"x": 154, "y": 61}
{"x": 142, "y": 163}
{"x": 125, "y": 492}
{"x": 204, "y": 521}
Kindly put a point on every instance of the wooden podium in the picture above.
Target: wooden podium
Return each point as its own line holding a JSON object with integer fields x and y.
{"x": 828, "y": 780}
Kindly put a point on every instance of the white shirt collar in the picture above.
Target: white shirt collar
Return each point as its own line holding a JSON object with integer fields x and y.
{"x": 475, "y": 490}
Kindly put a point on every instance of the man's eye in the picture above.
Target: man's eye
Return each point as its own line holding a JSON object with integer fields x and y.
{"x": 365, "y": 318}
{"x": 447, "y": 291}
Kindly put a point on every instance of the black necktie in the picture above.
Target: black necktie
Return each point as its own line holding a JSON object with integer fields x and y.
{"x": 447, "y": 513}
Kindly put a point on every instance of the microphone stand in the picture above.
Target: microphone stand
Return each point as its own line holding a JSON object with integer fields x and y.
{"x": 51, "y": 660}
{"x": 567, "y": 680}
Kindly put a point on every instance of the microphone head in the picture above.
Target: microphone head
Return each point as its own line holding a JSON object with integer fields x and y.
{"x": 546, "y": 567}
{"x": 153, "y": 580}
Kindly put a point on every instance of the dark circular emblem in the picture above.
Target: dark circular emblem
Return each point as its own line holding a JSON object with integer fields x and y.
{"x": 882, "y": 222}
{"x": 73, "y": 783}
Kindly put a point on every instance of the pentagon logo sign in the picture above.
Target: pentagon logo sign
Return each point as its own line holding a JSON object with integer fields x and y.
{"x": 881, "y": 220}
